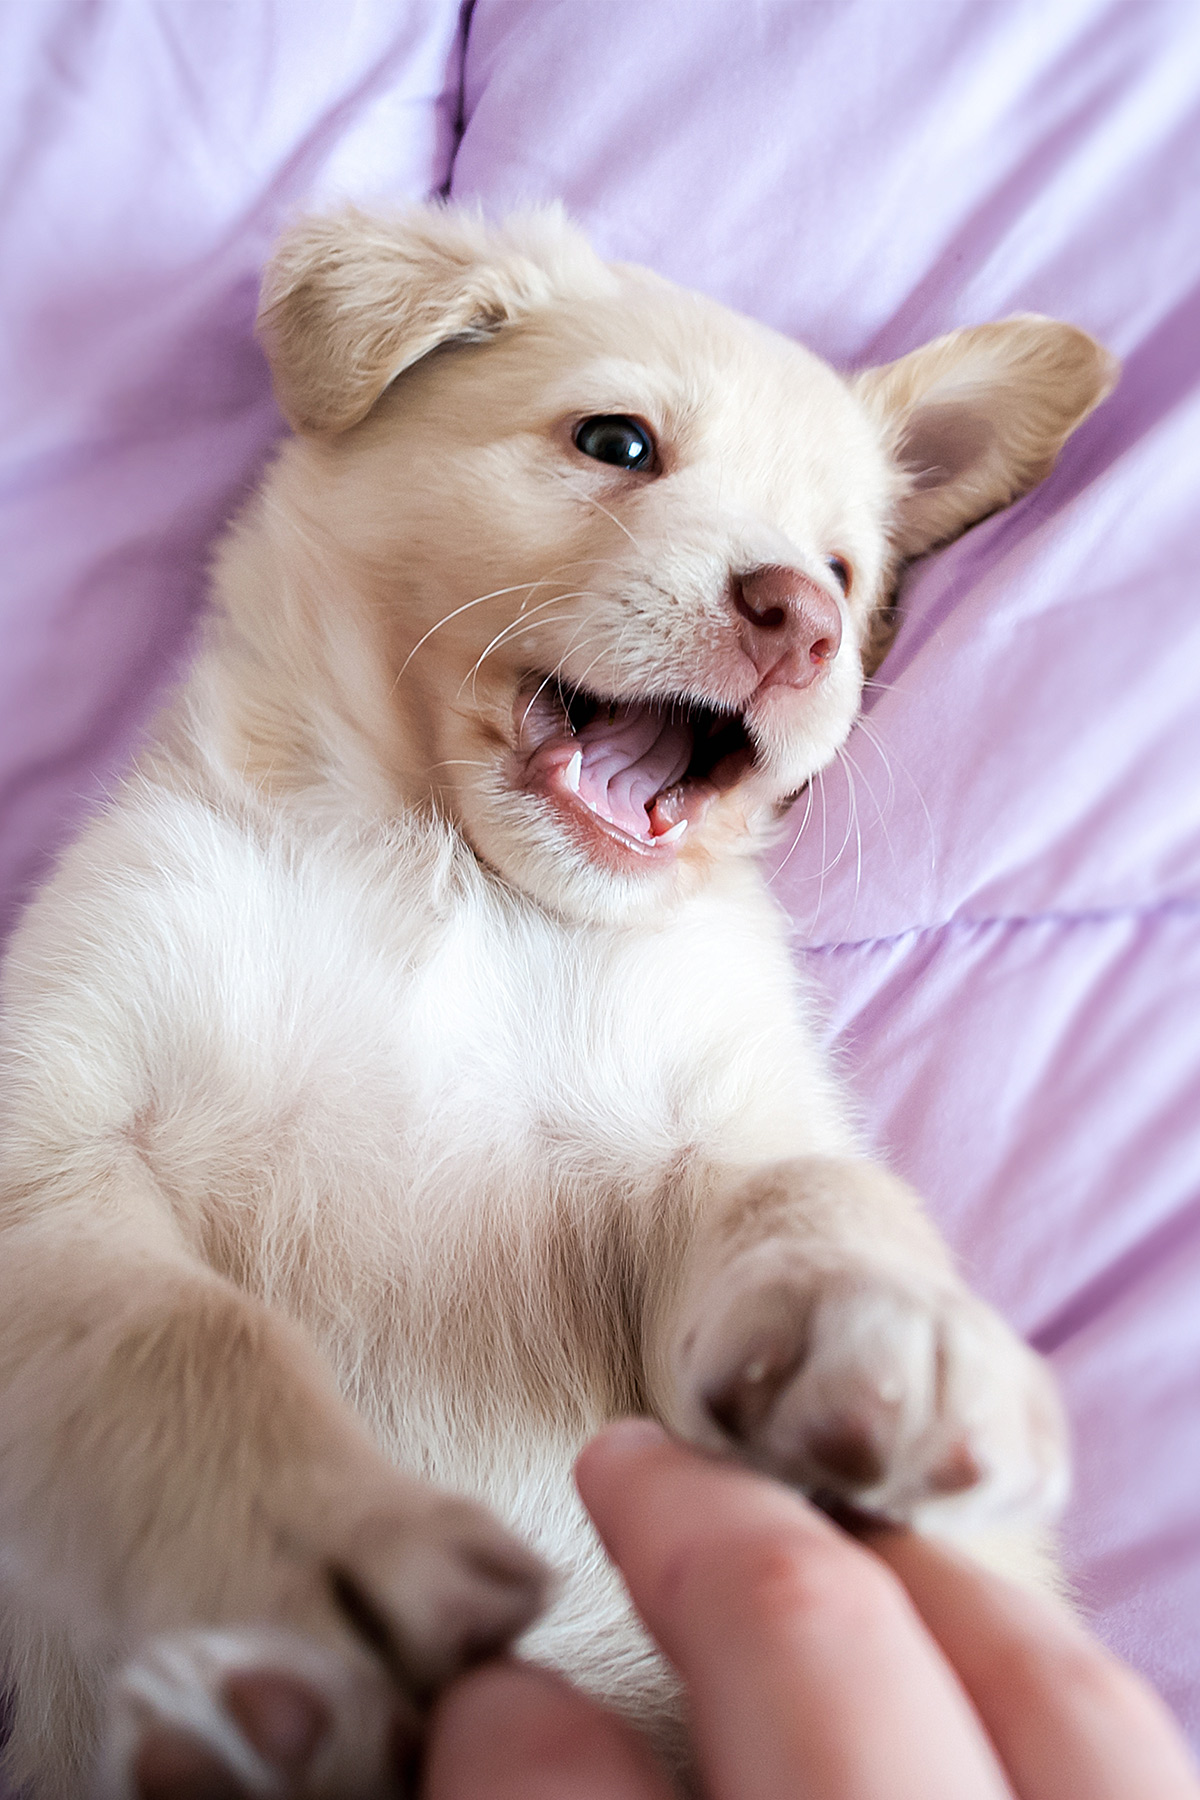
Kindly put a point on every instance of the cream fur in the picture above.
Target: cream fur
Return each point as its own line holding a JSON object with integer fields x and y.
{"x": 356, "y": 1117}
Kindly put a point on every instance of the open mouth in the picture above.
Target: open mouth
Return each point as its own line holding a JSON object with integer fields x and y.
{"x": 642, "y": 772}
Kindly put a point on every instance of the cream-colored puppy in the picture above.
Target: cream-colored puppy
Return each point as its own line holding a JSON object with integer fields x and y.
{"x": 406, "y": 1073}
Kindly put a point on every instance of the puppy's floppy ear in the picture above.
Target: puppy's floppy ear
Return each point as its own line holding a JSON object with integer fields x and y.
{"x": 977, "y": 418}
{"x": 352, "y": 300}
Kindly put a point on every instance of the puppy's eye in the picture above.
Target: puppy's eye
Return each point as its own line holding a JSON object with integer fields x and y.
{"x": 840, "y": 571}
{"x": 612, "y": 438}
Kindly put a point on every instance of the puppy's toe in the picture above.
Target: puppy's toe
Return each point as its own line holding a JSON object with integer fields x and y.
{"x": 238, "y": 1714}
{"x": 909, "y": 1401}
{"x": 432, "y": 1600}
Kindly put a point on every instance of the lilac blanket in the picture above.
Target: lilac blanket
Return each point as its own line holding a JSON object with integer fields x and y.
{"x": 997, "y": 889}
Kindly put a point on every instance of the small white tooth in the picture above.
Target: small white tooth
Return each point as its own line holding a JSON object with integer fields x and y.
{"x": 676, "y": 831}
{"x": 573, "y": 771}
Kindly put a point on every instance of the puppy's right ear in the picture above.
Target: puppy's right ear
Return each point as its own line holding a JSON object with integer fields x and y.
{"x": 352, "y": 300}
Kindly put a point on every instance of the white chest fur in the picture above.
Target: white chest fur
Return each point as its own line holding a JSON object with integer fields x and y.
{"x": 378, "y": 1089}
{"x": 363, "y": 1072}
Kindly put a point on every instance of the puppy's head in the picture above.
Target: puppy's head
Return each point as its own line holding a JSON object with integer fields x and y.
{"x": 627, "y": 549}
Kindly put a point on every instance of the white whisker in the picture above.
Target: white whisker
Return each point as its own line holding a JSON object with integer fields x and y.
{"x": 852, "y": 791}
{"x": 601, "y": 652}
{"x": 824, "y": 843}
{"x": 872, "y": 737}
{"x": 591, "y": 499}
{"x": 851, "y": 824}
{"x": 458, "y": 610}
{"x": 808, "y": 802}
{"x": 887, "y": 759}
{"x": 524, "y": 621}
{"x": 556, "y": 674}
{"x": 853, "y": 764}
{"x": 542, "y": 684}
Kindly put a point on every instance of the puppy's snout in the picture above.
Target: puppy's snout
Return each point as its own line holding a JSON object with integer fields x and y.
{"x": 789, "y": 627}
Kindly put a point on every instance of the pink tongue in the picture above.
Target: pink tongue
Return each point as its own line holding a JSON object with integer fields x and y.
{"x": 628, "y": 758}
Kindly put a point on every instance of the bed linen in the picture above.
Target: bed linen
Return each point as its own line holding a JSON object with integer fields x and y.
{"x": 149, "y": 155}
{"x": 996, "y": 892}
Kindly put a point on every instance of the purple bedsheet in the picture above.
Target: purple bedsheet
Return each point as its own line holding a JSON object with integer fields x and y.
{"x": 997, "y": 890}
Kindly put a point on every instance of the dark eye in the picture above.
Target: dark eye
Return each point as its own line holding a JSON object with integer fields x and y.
{"x": 840, "y": 571}
{"x": 612, "y": 438}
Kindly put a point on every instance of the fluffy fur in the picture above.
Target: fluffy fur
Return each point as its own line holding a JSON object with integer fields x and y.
{"x": 374, "y": 1117}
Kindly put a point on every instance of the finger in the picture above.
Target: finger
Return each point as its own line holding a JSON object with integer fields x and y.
{"x": 1069, "y": 1722}
{"x": 809, "y": 1674}
{"x": 512, "y": 1732}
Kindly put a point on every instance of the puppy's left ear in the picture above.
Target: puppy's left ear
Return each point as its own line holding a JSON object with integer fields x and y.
{"x": 352, "y": 300}
{"x": 977, "y": 418}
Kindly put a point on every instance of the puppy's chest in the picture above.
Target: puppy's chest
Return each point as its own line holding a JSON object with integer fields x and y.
{"x": 535, "y": 1055}
{"x": 407, "y": 1065}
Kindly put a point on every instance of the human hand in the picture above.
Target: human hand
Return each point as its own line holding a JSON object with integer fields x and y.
{"x": 816, "y": 1668}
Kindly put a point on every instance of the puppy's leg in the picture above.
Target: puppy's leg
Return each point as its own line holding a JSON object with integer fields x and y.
{"x": 173, "y": 1455}
{"x": 818, "y": 1330}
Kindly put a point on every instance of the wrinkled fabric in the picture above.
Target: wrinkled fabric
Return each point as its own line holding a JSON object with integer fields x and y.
{"x": 996, "y": 891}
{"x": 149, "y": 156}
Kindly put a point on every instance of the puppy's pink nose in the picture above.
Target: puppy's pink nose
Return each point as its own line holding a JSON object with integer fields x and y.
{"x": 790, "y": 628}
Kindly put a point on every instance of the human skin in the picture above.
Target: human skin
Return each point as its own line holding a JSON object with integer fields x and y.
{"x": 818, "y": 1667}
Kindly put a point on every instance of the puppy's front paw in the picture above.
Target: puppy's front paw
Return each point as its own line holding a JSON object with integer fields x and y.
{"x": 898, "y": 1394}
{"x": 268, "y": 1711}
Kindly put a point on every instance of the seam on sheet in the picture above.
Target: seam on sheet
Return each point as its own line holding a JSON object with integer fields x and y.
{"x": 1183, "y": 905}
{"x": 460, "y": 106}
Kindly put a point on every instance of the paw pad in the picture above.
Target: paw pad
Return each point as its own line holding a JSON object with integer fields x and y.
{"x": 281, "y": 1718}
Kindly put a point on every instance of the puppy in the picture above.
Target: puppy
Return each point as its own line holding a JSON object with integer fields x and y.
{"x": 406, "y": 1074}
